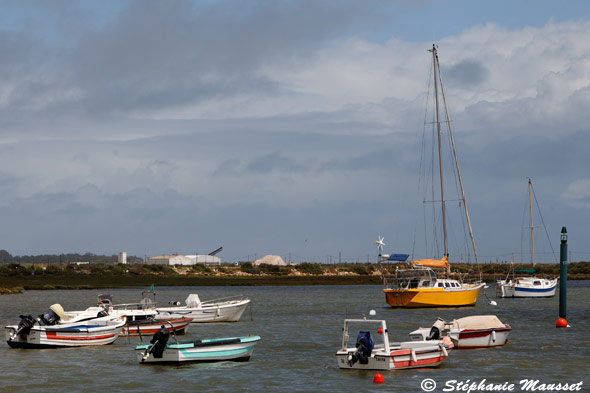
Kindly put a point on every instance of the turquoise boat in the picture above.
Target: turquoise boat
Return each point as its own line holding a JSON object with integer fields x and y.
{"x": 237, "y": 349}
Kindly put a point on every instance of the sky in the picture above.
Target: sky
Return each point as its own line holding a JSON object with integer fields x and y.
{"x": 287, "y": 127}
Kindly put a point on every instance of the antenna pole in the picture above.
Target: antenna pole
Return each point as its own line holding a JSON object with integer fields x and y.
{"x": 531, "y": 218}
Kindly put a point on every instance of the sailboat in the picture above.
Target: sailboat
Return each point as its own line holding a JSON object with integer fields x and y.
{"x": 419, "y": 285}
{"x": 527, "y": 286}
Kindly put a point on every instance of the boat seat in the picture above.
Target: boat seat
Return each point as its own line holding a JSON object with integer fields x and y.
{"x": 199, "y": 343}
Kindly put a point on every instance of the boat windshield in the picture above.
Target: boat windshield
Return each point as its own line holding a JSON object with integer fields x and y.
{"x": 412, "y": 279}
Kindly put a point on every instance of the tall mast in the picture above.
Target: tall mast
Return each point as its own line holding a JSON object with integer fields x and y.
{"x": 458, "y": 172}
{"x": 440, "y": 167}
{"x": 531, "y": 216}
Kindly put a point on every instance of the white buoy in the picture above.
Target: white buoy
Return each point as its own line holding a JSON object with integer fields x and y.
{"x": 493, "y": 303}
{"x": 372, "y": 313}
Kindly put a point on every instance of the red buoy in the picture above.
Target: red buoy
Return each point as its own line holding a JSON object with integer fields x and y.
{"x": 378, "y": 378}
{"x": 379, "y": 330}
{"x": 561, "y": 322}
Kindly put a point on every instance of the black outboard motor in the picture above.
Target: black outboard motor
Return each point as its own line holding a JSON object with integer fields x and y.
{"x": 159, "y": 340}
{"x": 436, "y": 329}
{"x": 434, "y": 333}
{"x": 49, "y": 318}
{"x": 364, "y": 346}
{"x": 25, "y": 325}
{"x": 52, "y": 316}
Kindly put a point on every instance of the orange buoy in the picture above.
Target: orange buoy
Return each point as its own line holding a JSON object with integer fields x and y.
{"x": 561, "y": 322}
{"x": 378, "y": 378}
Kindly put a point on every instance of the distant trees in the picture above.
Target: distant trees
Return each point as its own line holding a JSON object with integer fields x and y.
{"x": 6, "y": 257}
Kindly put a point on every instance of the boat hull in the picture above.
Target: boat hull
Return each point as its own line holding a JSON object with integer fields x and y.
{"x": 432, "y": 297}
{"x": 227, "y": 312}
{"x": 480, "y": 338}
{"x": 60, "y": 336}
{"x": 526, "y": 289}
{"x": 205, "y": 351}
{"x": 404, "y": 357}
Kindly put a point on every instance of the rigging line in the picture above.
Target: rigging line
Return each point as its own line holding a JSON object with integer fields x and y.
{"x": 458, "y": 171}
{"x": 421, "y": 167}
{"x": 543, "y": 222}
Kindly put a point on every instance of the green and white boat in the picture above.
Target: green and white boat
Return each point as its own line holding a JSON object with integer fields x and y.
{"x": 237, "y": 349}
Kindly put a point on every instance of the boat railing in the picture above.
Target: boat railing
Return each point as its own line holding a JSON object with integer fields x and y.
{"x": 234, "y": 298}
{"x": 135, "y": 306}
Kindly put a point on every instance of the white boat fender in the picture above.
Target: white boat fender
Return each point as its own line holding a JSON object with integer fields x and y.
{"x": 414, "y": 356}
{"x": 493, "y": 335}
{"x": 444, "y": 350}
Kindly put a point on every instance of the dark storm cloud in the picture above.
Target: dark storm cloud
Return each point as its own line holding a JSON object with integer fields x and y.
{"x": 166, "y": 54}
{"x": 467, "y": 73}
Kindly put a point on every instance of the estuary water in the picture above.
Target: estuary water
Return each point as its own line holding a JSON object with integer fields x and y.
{"x": 301, "y": 329}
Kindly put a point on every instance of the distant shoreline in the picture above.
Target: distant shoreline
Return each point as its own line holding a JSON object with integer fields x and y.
{"x": 16, "y": 278}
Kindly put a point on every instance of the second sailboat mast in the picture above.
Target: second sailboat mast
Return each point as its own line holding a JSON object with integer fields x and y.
{"x": 440, "y": 165}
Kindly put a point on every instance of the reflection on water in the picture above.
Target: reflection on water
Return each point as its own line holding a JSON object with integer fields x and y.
{"x": 301, "y": 331}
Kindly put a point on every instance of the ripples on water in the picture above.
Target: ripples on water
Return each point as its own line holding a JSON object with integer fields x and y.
{"x": 301, "y": 331}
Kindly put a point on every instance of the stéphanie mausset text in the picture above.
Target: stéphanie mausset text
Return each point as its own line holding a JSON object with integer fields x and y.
{"x": 525, "y": 385}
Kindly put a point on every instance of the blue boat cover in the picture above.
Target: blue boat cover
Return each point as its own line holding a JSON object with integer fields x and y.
{"x": 398, "y": 257}
{"x": 364, "y": 339}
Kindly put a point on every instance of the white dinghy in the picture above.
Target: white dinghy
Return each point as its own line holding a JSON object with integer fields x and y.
{"x": 229, "y": 309}
{"x": 477, "y": 331}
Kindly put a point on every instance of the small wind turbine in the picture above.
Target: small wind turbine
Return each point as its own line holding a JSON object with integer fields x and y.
{"x": 379, "y": 243}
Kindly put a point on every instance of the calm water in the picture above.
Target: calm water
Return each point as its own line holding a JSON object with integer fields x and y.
{"x": 301, "y": 331}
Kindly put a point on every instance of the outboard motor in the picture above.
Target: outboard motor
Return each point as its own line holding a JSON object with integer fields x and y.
{"x": 25, "y": 325}
{"x": 364, "y": 346}
{"x": 159, "y": 340}
{"x": 436, "y": 329}
{"x": 52, "y": 316}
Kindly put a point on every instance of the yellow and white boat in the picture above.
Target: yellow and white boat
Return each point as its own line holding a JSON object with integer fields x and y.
{"x": 417, "y": 285}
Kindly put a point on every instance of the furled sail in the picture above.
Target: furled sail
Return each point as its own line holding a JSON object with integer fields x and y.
{"x": 434, "y": 263}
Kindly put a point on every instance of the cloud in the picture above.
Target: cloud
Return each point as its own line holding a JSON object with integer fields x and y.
{"x": 167, "y": 118}
{"x": 467, "y": 74}
{"x": 577, "y": 193}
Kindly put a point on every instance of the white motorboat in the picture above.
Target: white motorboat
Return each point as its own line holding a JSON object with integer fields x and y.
{"x": 229, "y": 309}
{"x": 477, "y": 331}
{"x": 46, "y": 332}
{"x": 237, "y": 349}
{"x": 383, "y": 355}
{"x": 141, "y": 318}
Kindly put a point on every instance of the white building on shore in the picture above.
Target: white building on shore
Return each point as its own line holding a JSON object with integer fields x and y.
{"x": 183, "y": 260}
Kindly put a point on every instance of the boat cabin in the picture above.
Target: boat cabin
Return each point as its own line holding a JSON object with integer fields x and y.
{"x": 420, "y": 278}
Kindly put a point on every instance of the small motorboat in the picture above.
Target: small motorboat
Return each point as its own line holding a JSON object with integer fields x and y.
{"x": 142, "y": 317}
{"x": 229, "y": 309}
{"x": 383, "y": 355}
{"x": 48, "y": 331}
{"x": 205, "y": 351}
{"x": 477, "y": 331}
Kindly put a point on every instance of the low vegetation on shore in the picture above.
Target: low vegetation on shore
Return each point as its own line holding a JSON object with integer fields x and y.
{"x": 15, "y": 277}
